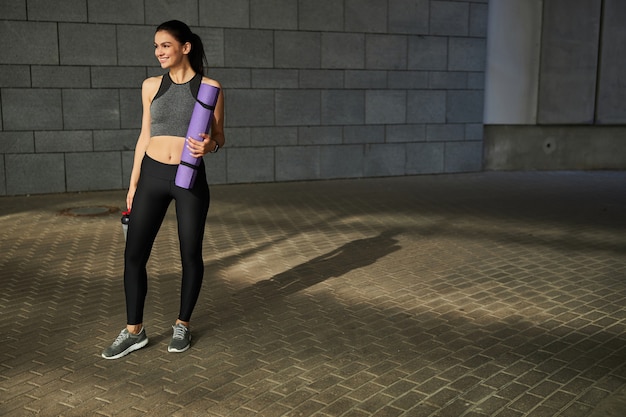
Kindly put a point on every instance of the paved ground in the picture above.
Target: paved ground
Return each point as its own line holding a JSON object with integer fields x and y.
{"x": 492, "y": 294}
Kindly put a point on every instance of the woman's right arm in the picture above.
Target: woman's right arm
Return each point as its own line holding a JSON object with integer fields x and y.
{"x": 149, "y": 89}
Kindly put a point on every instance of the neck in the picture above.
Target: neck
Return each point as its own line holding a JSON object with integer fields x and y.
{"x": 181, "y": 75}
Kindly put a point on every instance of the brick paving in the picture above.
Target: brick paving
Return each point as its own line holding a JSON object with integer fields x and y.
{"x": 489, "y": 294}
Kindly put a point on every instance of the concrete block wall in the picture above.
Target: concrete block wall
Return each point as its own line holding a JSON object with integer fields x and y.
{"x": 555, "y": 91}
{"x": 315, "y": 89}
{"x": 569, "y": 62}
{"x": 611, "y": 106}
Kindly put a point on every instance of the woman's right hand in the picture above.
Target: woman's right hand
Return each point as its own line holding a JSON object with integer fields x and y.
{"x": 130, "y": 197}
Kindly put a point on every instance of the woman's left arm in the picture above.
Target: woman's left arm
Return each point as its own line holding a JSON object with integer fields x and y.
{"x": 217, "y": 126}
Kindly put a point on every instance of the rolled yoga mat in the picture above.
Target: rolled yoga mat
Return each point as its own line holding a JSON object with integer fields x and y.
{"x": 200, "y": 122}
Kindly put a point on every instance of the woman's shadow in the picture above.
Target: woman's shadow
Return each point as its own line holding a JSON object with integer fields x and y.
{"x": 356, "y": 254}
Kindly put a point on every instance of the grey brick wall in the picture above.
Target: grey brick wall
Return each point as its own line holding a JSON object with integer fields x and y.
{"x": 315, "y": 89}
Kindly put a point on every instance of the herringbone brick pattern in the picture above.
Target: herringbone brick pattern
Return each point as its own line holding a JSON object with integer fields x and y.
{"x": 492, "y": 294}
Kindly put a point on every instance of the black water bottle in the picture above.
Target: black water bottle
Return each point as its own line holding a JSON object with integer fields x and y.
{"x": 125, "y": 221}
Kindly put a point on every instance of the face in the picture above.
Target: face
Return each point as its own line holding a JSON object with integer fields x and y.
{"x": 168, "y": 50}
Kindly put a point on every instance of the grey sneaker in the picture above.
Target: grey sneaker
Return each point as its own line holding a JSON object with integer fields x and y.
{"x": 181, "y": 339}
{"x": 125, "y": 343}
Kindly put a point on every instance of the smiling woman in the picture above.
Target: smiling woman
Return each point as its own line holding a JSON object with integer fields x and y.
{"x": 168, "y": 102}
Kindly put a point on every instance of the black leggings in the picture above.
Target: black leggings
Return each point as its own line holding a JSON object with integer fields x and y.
{"x": 155, "y": 191}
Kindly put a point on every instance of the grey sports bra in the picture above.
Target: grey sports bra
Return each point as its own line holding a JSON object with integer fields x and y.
{"x": 172, "y": 106}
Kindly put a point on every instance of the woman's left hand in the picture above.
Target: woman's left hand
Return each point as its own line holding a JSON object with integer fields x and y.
{"x": 199, "y": 148}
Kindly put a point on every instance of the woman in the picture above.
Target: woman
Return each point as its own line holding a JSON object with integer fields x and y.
{"x": 168, "y": 102}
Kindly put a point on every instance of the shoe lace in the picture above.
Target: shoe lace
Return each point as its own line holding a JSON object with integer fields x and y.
{"x": 179, "y": 332}
{"x": 121, "y": 337}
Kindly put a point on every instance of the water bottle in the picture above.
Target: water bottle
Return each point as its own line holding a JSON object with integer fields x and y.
{"x": 125, "y": 221}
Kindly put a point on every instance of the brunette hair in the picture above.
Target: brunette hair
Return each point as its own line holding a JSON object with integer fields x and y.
{"x": 183, "y": 34}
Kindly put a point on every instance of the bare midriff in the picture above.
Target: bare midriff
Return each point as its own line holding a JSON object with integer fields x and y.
{"x": 166, "y": 149}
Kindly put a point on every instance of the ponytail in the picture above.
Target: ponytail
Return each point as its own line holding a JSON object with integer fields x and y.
{"x": 183, "y": 34}
{"x": 197, "y": 58}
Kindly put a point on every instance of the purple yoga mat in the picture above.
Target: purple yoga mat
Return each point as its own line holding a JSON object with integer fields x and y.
{"x": 200, "y": 123}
